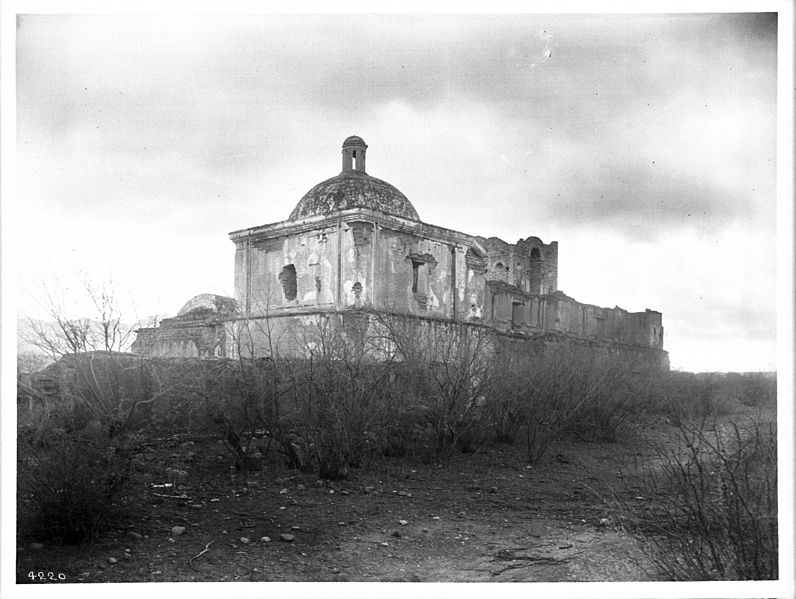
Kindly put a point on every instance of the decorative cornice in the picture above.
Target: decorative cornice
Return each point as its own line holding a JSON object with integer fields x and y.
{"x": 288, "y": 228}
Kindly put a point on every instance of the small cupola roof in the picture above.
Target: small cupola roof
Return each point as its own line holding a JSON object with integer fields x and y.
{"x": 353, "y": 188}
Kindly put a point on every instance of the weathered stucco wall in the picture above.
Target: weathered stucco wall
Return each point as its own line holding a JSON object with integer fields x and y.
{"x": 182, "y": 340}
{"x": 357, "y": 261}
{"x": 198, "y": 330}
{"x": 287, "y": 271}
{"x": 315, "y": 333}
{"x": 513, "y": 310}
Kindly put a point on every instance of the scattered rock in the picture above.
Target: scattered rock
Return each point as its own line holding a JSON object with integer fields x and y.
{"x": 436, "y": 518}
{"x": 300, "y": 487}
{"x": 397, "y": 534}
{"x": 195, "y": 506}
{"x": 404, "y": 494}
{"x": 127, "y": 556}
{"x": 639, "y": 498}
{"x": 101, "y": 566}
{"x": 265, "y": 539}
{"x": 567, "y": 546}
{"x": 244, "y": 540}
{"x": 177, "y": 530}
{"x": 604, "y": 522}
{"x": 215, "y": 500}
{"x": 335, "y": 570}
{"x": 384, "y": 544}
{"x": 294, "y": 527}
{"x": 156, "y": 572}
{"x": 287, "y": 538}
{"x": 283, "y": 492}
{"x": 425, "y": 530}
{"x": 493, "y": 490}
{"x": 36, "y": 546}
{"x": 113, "y": 560}
{"x": 370, "y": 489}
{"x": 341, "y": 523}
{"x": 403, "y": 522}
{"x": 134, "y": 535}
{"x": 331, "y": 491}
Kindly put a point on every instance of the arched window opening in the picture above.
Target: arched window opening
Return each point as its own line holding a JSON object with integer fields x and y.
{"x": 536, "y": 254}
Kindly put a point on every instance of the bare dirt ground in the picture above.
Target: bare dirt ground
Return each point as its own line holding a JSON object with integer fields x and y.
{"x": 484, "y": 516}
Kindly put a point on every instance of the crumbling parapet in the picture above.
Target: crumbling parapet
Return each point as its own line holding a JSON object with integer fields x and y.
{"x": 198, "y": 330}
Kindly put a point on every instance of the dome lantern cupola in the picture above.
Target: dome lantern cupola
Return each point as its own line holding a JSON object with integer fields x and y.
{"x": 353, "y": 188}
{"x": 354, "y": 154}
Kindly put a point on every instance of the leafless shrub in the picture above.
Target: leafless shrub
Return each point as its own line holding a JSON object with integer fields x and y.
{"x": 618, "y": 387}
{"x": 712, "y": 513}
{"x": 505, "y": 410}
{"x": 69, "y": 485}
{"x": 453, "y": 378}
{"x": 75, "y": 441}
{"x": 689, "y": 396}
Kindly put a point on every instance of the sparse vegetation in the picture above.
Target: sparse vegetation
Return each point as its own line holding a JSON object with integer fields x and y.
{"x": 395, "y": 392}
{"x": 712, "y": 513}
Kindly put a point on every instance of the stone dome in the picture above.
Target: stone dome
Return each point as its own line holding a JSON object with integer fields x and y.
{"x": 208, "y": 303}
{"x": 353, "y": 188}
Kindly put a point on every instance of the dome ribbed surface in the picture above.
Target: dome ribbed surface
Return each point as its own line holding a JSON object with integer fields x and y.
{"x": 353, "y": 189}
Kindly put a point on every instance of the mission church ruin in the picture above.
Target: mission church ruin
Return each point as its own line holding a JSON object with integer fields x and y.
{"x": 355, "y": 245}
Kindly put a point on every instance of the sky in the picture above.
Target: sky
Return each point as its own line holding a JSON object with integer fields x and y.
{"x": 646, "y": 145}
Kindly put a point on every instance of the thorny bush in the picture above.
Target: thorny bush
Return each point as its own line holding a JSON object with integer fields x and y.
{"x": 713, "y": 508}
{"x": 74, "y": 452}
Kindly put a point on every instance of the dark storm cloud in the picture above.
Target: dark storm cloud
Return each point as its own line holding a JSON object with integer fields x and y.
{"x": 652, "y": 127}
{"x": 638, "y": 202}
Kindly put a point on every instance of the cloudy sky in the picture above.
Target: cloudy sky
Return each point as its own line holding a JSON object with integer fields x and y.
{"x": 644, "y": 144}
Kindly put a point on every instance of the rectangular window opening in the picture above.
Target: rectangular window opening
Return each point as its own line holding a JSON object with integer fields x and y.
{"x": 415, "y": 274}
{"x": 517, "y": 314}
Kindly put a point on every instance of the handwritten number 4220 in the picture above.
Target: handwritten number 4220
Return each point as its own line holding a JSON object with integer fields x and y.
{"x": 40, "y": 576}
